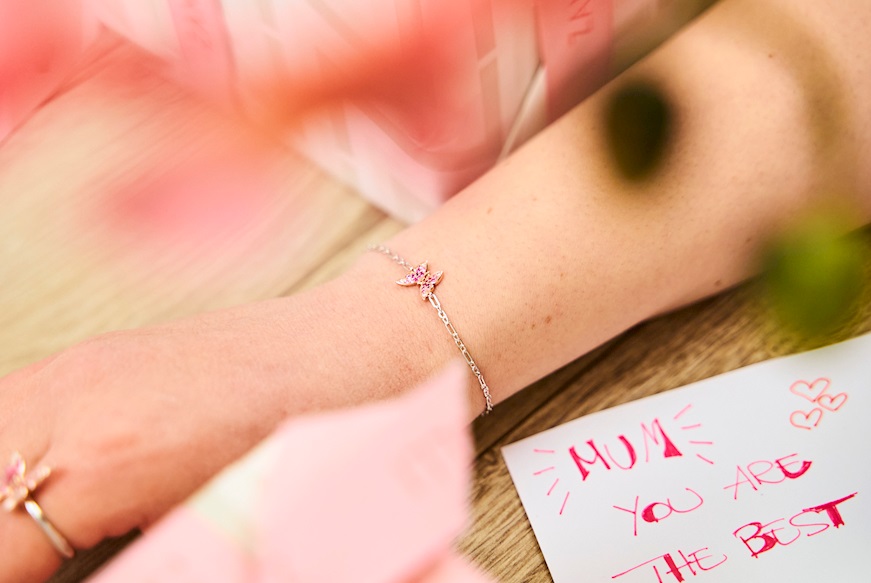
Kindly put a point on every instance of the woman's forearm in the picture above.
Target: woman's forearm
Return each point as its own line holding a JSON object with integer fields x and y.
{"x": 551, "y": 253}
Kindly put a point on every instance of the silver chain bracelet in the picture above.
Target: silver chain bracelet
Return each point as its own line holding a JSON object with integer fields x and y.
{"x": 419, "y": 275}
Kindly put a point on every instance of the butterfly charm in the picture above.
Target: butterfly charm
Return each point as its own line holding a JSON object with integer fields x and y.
{"x": 16, "y": 484}
{"x": 426, "y": 280}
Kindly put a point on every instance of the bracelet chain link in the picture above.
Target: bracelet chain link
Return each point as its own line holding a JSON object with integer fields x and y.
{"x": 435, "y": 303}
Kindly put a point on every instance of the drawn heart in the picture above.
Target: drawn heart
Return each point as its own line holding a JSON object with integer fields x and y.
{"x": 831, "y": 403}
{"x": 810, "y": 391}
{"x": 804, "y": 420}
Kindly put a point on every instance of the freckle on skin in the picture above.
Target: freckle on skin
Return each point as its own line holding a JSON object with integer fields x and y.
{"x": 532, "y": 327}
{"x": 718, "y": 283}
{"x": 489, "y": 210}
{"x": 548, "y": 320}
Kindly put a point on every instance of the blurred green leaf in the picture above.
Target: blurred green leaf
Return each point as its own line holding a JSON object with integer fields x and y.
{"x": 638, "y": 120}
{"x": 815, "y": 276}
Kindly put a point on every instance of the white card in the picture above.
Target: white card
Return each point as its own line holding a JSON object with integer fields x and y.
{"x": 759, "y": 474}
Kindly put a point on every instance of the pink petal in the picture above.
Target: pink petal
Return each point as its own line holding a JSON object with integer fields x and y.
{"x": 363, "y": 505}
{"x": 40, "y": 43}
{"x": 182, "y": 548}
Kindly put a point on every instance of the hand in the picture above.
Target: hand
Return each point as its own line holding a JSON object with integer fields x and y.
{"x": 133, "y": 422}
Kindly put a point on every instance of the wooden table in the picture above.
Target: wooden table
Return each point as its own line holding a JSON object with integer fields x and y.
{"x": 68, "y": 274}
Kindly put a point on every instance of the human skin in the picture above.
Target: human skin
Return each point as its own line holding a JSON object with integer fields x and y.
{"x": 545, "y": 257}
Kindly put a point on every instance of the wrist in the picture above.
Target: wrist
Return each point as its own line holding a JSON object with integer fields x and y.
{"x": 360, "y": 338}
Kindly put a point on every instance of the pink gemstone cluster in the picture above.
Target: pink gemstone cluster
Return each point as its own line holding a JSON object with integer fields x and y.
{"x": 426, "y": 280}
{"x": 17, "y": 484}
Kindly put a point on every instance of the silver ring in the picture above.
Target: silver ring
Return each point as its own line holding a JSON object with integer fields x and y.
{"x": 18, "y": 486}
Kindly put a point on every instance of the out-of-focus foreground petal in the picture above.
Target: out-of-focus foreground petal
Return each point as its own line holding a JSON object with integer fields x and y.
{"x": 374, "y": 494}
{"x": 423, "y": 94}
{"x": 40, "y": 43}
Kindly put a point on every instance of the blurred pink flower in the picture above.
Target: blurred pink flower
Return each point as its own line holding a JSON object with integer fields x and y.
{"x": 40, "y": 42}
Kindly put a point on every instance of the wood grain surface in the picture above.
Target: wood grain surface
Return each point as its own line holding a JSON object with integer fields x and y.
{"x": 68, "y": 274}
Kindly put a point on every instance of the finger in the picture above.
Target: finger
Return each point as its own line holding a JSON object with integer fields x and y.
{"x": 28, "y": 553}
